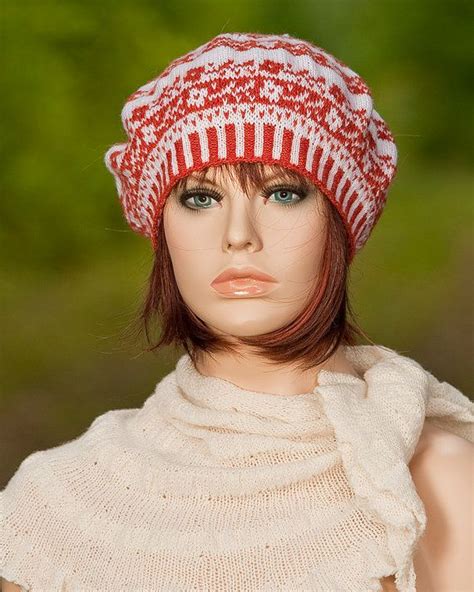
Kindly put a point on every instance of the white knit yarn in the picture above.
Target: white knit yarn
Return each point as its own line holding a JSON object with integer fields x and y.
{"x": 210, "y": 487}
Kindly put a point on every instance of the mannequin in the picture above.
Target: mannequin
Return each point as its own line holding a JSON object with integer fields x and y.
{"x": 275, "y": 455}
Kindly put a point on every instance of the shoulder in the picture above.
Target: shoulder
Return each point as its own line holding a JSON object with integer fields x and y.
{"x": 43, "y": 469}
{"x": 49, "y": 490}
{"x": 435, "y": 442}
{"x": 442, "y": 462}
{"x": 7, "y": 586}
{"x": 441, "y": 469}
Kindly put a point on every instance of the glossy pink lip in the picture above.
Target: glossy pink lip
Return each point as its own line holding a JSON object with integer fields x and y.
{"x": 244, "y": 287}
{"x": 233, "y": 273}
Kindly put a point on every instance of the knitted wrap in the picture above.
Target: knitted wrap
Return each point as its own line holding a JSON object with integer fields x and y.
{"x": 255, "y": 97}
{"x": 209, "y": 487}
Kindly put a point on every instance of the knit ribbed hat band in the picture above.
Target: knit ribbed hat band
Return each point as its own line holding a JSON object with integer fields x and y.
{"x": 255, "y": 98}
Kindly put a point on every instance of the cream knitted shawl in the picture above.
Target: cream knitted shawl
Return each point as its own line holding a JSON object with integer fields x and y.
{"x": 209, "y": 487}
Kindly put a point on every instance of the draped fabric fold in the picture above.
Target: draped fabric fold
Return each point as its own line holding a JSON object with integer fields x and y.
{"x": 211, "y": 487}
{"x": 377, "y": 436}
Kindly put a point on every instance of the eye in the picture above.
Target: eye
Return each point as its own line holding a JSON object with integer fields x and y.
{"x": 199, "y": 198}
{"x": 285, "y": 195}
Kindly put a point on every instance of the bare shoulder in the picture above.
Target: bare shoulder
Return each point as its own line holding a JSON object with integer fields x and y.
{"x": 442, "y": 469}
{"x": 434, "y": 440}
{"x": 9, "y": 586}
{"x": 441, "y": 460}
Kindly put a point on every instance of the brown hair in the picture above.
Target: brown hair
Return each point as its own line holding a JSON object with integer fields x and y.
{"x": 308, "y": 340}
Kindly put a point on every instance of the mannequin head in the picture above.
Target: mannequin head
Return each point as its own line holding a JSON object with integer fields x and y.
{"x": 239, "y": 215}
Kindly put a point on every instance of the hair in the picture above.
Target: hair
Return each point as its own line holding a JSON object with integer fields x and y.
{"x": 326, "y": 322}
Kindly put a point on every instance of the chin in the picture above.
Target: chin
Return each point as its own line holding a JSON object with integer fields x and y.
{"x": 245, "y": 317}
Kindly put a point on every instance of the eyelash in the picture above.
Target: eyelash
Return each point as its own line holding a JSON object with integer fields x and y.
{"x": 302, "y": 194}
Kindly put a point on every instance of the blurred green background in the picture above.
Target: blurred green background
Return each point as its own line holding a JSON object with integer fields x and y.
{"x": 73, "y": 274}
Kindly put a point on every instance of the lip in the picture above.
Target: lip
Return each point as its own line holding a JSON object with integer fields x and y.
{"x": 243, "y": 282}
{"x": 244, "y": 288}
{"x": 247, "y": 271}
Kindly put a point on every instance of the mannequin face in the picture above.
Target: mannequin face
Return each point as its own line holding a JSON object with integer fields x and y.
{"x": 279, "y": 228}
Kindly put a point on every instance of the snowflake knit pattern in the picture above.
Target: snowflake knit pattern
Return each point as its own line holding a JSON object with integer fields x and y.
{"x": 255, "y": 97}
{"x": 213, "y": 488}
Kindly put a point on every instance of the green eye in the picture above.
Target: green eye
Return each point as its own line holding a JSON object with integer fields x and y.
{"x": 286, "y": 197}
{"x": 200, "y": 200}
{"x": 196, "y": 199}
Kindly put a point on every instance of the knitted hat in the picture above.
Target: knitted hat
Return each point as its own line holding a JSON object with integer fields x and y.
{"x": 255, "y": 97}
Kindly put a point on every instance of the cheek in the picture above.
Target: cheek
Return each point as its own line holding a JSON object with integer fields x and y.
{"x": 191, "y": 250}
{"x": 186, "y": 231}
{"x": 297, "y": 254}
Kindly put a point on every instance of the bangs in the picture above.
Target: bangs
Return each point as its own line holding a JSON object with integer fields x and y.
{"x": 249, "y": 175}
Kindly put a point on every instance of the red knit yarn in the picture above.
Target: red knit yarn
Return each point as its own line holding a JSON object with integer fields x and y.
{"x": 257, "y": 98}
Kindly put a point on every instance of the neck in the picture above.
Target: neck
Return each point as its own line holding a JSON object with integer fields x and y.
{"x": 253, "y": 373}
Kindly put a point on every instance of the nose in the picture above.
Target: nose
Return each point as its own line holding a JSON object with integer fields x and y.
{"x": 240, "y": 229}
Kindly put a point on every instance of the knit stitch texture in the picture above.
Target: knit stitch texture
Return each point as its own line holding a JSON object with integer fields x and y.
{"x": 213, "y": 488}
{"x": 257, "y": 98}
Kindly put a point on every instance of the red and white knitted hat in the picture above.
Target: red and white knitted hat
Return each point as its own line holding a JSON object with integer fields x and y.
{"x": 255, "y": 97}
